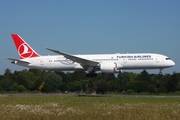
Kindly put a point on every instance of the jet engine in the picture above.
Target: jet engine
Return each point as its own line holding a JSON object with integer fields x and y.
{"x": 110, "y": 67}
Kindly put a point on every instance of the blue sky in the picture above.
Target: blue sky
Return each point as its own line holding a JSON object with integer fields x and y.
{"x": 91, "y": 26}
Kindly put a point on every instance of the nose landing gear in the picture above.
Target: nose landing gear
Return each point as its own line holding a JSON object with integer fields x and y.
{"x": 160, "y": 71}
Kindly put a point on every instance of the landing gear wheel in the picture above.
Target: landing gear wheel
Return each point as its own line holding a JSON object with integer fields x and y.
{"x": 91, "y": 75}
{"x": 160, "y": 72}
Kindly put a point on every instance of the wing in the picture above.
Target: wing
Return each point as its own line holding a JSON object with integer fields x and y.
{"x": 82, "y": 61}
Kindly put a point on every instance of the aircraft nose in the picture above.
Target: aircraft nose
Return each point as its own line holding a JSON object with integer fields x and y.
{"x": 172, "y": 63}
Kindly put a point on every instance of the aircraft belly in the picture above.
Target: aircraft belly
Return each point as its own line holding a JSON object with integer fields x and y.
{"x": 56, "y": 66}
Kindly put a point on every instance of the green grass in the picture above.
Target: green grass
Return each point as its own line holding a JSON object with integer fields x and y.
{"x": 71, "y": 107}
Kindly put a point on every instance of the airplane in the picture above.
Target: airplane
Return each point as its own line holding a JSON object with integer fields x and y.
{"x": 109, "y": 63}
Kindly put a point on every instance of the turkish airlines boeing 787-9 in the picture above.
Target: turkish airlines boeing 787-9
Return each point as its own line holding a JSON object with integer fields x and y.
{"x": 109, "y": 63}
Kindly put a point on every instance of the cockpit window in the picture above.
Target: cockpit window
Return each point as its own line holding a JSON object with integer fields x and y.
{"x": 168, "y": 58}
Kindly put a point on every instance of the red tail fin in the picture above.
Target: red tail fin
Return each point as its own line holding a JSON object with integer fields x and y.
{"x": 24, "y": 50}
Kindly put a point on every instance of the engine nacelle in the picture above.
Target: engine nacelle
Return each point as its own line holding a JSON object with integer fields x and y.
{"x": 110, "y": 67}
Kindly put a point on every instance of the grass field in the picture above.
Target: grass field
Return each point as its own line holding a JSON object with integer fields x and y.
{"x": 72, "y": 107}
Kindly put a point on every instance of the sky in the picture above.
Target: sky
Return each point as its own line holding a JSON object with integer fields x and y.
{"x": 90, "y": 27}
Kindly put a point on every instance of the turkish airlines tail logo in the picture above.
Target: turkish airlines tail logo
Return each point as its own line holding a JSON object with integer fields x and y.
{"x": 24, "y": 50}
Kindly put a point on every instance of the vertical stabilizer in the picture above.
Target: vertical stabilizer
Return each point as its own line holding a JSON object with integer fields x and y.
{"x": 24, "y": 50}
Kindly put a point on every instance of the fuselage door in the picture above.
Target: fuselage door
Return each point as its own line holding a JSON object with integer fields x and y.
{"x": 157, "y": 60}
{"x": 41, "y": 61}
{"x": 124, "y": 60}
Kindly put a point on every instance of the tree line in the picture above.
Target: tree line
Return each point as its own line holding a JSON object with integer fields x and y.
{"x": 33, "y": 80}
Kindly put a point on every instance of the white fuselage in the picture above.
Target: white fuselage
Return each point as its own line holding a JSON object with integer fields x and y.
{"x": 122, "y": 61}
{"x": 109, "y": 63}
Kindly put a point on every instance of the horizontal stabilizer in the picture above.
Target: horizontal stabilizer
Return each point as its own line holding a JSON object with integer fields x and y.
{"x": 14, "y": 60}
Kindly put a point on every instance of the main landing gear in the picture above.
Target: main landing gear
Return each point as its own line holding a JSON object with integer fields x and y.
{"x": 91, "y": 75}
